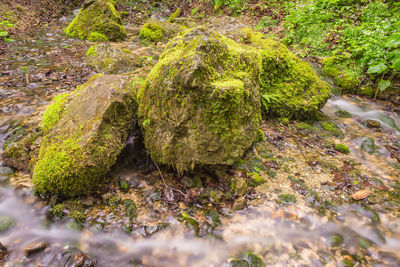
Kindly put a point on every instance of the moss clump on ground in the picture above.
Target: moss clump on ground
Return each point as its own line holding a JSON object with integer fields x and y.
{"x": 174, "y": 15}
{"x": 200, "y": 103}
{"x": 342, "y": 148}
{"x": 98, "y": 20}
{"x": 79, "y": 149}
{"x": 97, "y": 37}
{"x": 287, "y": 198}
{"x": 342, "y": 71}
{"x": 290, "y": 88}
{"x": 156, "y": 31}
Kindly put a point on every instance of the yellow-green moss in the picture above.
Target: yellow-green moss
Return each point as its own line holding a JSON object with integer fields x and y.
{"x": 342, "y": 71}
{"x": 53, "y": 112}
{"x": 78, "y": 151}
{"x": 342, "y": 148}
{"x": 151, "y": 31}
{"x": 97, "y": 37}
{"x": 97, "y": 17}
{"x": 91, "y": 51}
{"x": 294, "y": 90}
{"x": 201, "y": 101}
{"x": 174, "y": 15}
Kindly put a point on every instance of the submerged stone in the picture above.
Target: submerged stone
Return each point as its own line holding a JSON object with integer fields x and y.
{"x": 82, "y": 141}
{"x": 98, "y": 20}
{"x": 109, "y": 59}
{"x": 200, "y": 104}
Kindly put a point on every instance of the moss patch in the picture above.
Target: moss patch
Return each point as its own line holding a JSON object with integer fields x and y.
{"x": 97, "y": 20}
{"x": 290, "y": 88}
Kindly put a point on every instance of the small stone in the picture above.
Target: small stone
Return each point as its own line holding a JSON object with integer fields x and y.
{"x": 373, "y": 124}
{"x": 5, "y": 223}
{"x": 361, "y": 194}
{"x": 239, "y": 204}
{"x": 34, "y": 248}
{"x": 83, "y": 260}
{"x": 3, "y": 252}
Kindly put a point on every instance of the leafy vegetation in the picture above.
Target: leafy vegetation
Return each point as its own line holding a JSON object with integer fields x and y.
{"x": 4, "y": 34}
{"x": 363, "y": 35}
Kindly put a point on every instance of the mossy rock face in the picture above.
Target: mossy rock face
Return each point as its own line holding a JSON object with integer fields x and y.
{"x": 108, "y": 59}
{"x": 200, "y": 104}
{"x": 156, "y": 31}
{"x": 80, "y": 146}
{"x": 290, "y": 86}
{"x": 98, "y": 20}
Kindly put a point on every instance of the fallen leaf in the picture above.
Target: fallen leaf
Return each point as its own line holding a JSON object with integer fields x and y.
{"x": 361, "y": 194}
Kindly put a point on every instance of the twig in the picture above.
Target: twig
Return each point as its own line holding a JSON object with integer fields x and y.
{"x": 165, "y": 184}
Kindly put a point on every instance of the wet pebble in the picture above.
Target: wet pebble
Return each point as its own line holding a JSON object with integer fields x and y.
{"x": 239, "y": 203}
{"x": 34, "y": 248}
{"x": 83, "y": 260}
{"x": 3, "y": 253}
{"x": 373, "y": 124}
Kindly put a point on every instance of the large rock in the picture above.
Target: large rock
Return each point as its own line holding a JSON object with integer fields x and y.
{"x": 289, "y": 86}
{"x": 201, "y": 104}
{"x": 84, "y": 132}
{"x": 98, "y": 20}
{"x": 112, "y": 59}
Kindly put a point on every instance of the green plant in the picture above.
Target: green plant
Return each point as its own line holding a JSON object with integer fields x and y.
{"x": 4, "y": 35}
{"x": 366, "y": 30}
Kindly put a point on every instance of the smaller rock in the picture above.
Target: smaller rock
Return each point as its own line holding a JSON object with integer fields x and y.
{"x": 361, "y": 194}
{"x": 373, "y": 124}
{"x": 3, "y": 252}
{"x": 83, "y": 260}
{"x": 368, "y": 145}
{"x": 239, "y": 203}
{"x": 5, "y": 223}
{"x": 34, "y": 248}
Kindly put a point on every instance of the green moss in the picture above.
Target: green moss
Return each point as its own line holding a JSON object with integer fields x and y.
{"x": 261, "y": 136}
{"x": 151, "y": 31}
{"x": 342, "y": 71}
{"x": 95, "y": 18}
{"x": 54, "y": 112}
{"x": 292, "y": 88}
{"x": 74, "y": 158}
{"x": 343, "y": 114}
{"x": 342, "y": 148}
{"x": 97, "y": 37}
{"x": 255, "y": 179}
{"x": 5, "y": 223}
{"x": 174, "y": 15}
{"x": 203, "y": 97}
{"x": 336, "y": 240}
{"x": 58, "y": 210}
{"x": 304, "y": 125}
{"x": 287, "y": 198}
{"x": 91, "y": 51}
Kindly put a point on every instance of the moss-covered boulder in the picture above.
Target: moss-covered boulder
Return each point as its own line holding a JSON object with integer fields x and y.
{"x": 98, "y": 20}
{"x": 289, "y": 86}
{"x": 156, "y": 31}
{"x": 84, "y": 132}
{"x": 200, "y": 104}
{"x": 112, "y": 59}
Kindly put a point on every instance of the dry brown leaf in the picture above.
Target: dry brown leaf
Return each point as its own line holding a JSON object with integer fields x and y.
{"x": 361, "y": 194}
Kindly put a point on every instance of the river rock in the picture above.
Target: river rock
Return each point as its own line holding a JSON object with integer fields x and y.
{"x": 110, "y": 59}
{"x": 368, "y": 145}
{"x": 6, "y": 223}
{"x": 3, "y": 253}
{"x": 34, "y": 248}
{"x": 200, "y": 104}
{"x": 373, "y": 124}
{"x": 98, "y": 20}
{"x": 84, "y": 132}
{"x": 289, "y": 86}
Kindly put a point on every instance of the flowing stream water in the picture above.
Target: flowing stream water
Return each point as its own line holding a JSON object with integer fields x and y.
{"x": 45, "y": 63}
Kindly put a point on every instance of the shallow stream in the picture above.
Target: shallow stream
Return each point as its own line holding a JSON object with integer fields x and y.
{"x": 44, "y": 63}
